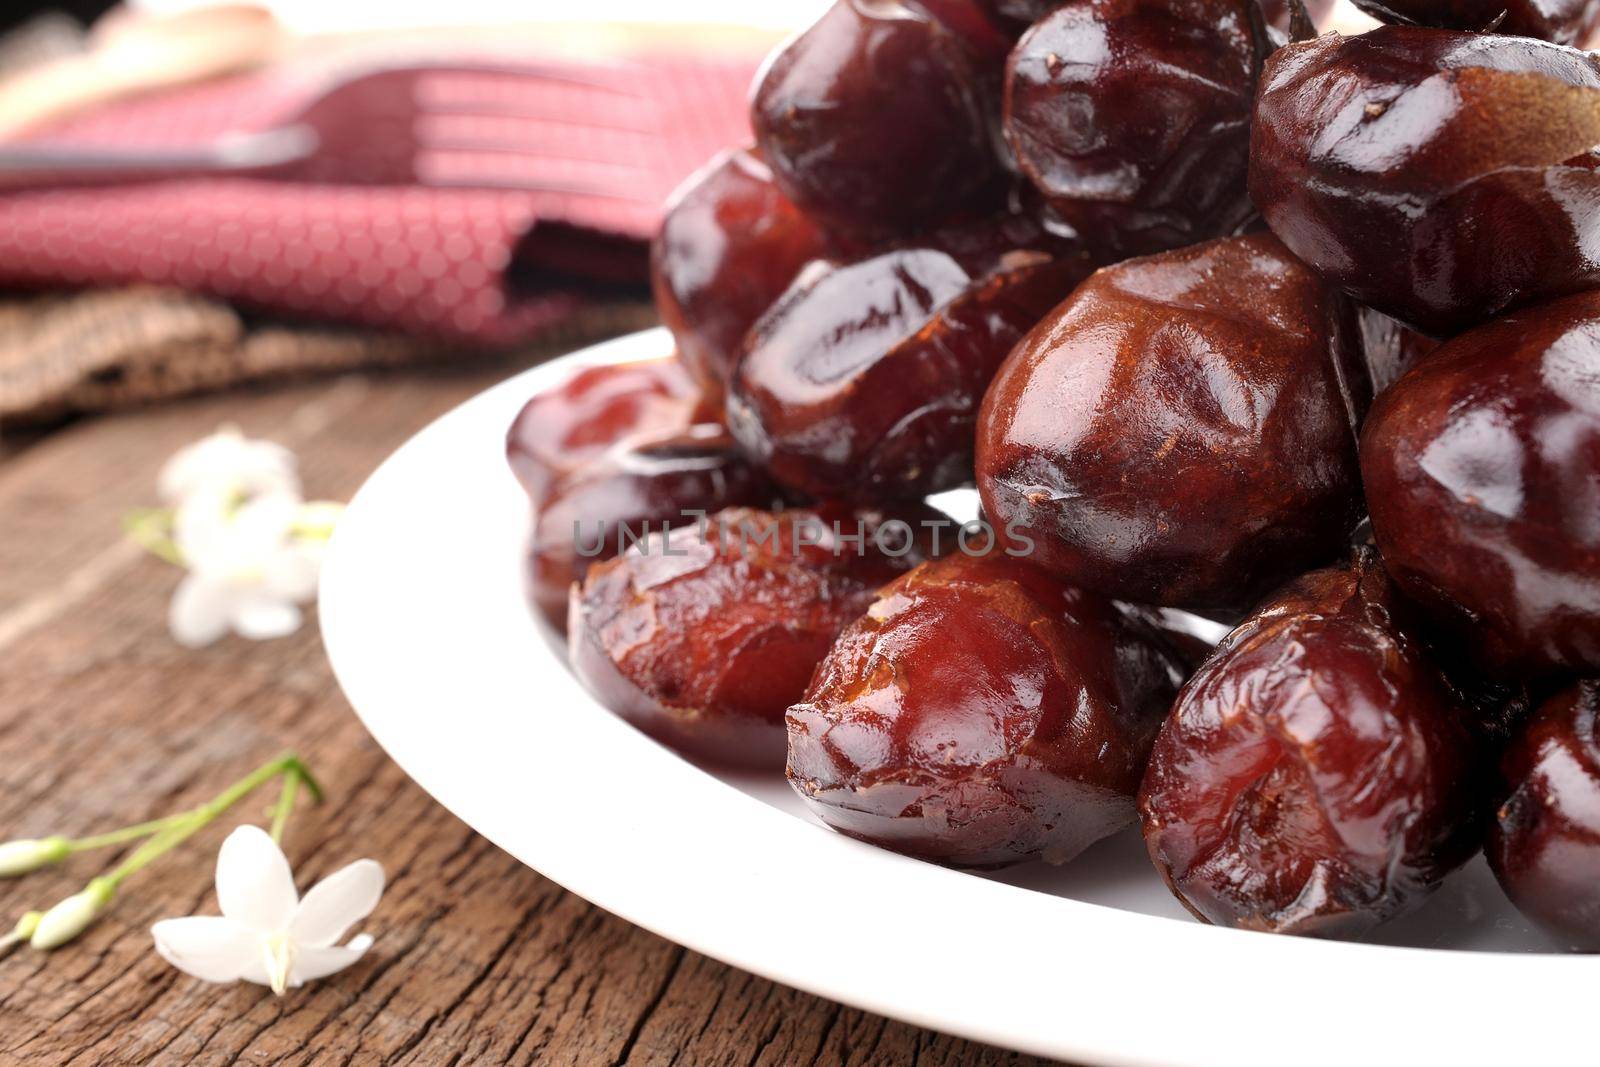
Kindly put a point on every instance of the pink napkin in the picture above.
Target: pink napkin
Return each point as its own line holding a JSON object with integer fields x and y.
{"x": 451, "y": 263}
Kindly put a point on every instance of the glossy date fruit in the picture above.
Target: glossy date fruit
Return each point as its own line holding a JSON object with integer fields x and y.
{"x": 1132, "y": 117}
{"x": 981, "y": 713}
{"x": 1441, "y": 177}
{"x": 1182, "y": 430}
{"x": 864, "y": 380}
{"x": 650, "y": 482}
{"x": 1315, "y": 777}
{"x": 729, "y": 246}
{"x": 1544, "y": 845}
{"x": 561, "y": 429}
{"x": 703, "y": 637}
{"x": 1482, "y": 469}
{"x": 1562, "y": 21}
{"x": 873, "y": 120}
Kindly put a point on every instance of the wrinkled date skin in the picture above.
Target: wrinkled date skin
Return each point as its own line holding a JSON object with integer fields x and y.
{"x": 1482, "y": 468}
{"x": 981, "y": 713}
{"x": 1544, "y": 845}
{"x": 1132, "y": 117}
{"x": 864, "y": 381}
{"x": 1315, "y": 776}
{"x": 1181, "y": 430}
{"x": 648, "y": 483}
{"x": 1441, "y": 177}
{"x": 729, "y": 246}
{"x": 873, "y": 120}
{"x": 561, "y": 429}
{"x": 703, "y": 638}
{"x": 1562, "y": 21}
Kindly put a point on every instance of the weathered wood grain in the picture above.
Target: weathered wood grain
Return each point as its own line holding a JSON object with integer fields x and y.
{"x": 103, "y": 720}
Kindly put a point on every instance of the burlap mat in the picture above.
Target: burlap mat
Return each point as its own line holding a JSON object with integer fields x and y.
{"x": 93, "y": 351}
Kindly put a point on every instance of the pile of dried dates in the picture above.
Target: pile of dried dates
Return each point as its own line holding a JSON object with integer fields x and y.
{"x": 1297, "y": 333}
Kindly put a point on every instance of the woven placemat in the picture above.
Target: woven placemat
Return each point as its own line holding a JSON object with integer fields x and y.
{"x": 76, "y": 353}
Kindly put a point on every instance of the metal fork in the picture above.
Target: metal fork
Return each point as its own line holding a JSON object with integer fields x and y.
{"x": 438, "y": 125}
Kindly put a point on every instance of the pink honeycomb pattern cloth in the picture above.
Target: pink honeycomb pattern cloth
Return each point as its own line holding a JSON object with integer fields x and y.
{"x": 432, "y": 261}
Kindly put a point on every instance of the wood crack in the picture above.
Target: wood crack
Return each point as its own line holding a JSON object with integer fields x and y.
{"x": 104, "y": 720}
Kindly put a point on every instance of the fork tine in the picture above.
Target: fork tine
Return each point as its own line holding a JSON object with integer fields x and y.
{"x": 615, "y": 82}
{"x": 521, "y": 171}
{"x": 485, "y": 181}
{"x": 453, "y": 94}
{"x": 494, "y": 133}
{"x": 494, "y": 110}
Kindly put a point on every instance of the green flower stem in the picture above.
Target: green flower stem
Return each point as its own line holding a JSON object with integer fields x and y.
{"x": 315, "y": 520}
{"x": 187, "y": 824}
{"x": 124, "y": 835}
{"x": 70, "y": 917}
{"x": 151, "y": 529}
{"x": 280, "y": 814}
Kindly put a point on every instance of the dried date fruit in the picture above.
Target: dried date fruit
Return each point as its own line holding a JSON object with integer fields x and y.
{"x": 1544, "y": 845}
{"x": 980, "y": 713}
{"x": 729, "y": 246}
{"x": 864, "y": 380}
{"x": 1181, "y": 431}
{"x": 1315, "y": 777}
{"x": 1441, "y": 177}
{"x": 704, "y": 636}
{"x": 1132, "y": 117}
{"x": 1562, "y": 21}
{"x": 1482, "y": 469}
{"x": 650, "y": 482}
{"x": 873, "y": 120}
{"x": 561, "y": 429}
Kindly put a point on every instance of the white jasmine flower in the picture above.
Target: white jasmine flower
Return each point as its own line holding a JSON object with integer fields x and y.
{"x": 229, "y": 463}
{"x": 247, "y": 570}
{"x": 266, "y": 933}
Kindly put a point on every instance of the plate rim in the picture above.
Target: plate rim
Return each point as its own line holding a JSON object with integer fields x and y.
{"x": 390, "y": 657}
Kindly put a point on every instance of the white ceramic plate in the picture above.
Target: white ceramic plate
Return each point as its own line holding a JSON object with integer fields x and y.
{"x": 423, "y": 616}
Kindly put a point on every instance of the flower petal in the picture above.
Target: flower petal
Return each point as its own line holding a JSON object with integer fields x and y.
{"x": 209, "y": 947}
{"x": 200, "y": 610}
{"x": 254, "y": 885}
{"x": 313, "y": 963}
{"x": 291, "y": 574}
{"x": 200, "y": 525}
{"x": 261, "y": 618}
{"x": 228, "y": 458}
{"x": 337, "y": 903}
{"x": 262, "y": 524}
{"x": 216, "y": 533}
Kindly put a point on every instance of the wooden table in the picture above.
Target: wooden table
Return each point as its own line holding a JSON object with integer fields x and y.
{"x": 104, "y": 721}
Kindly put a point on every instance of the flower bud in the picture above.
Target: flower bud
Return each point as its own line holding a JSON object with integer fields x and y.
{"x": 72, "y": 916}
{"x": 20, "y": 857}
{"x": 21, "y": 932}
